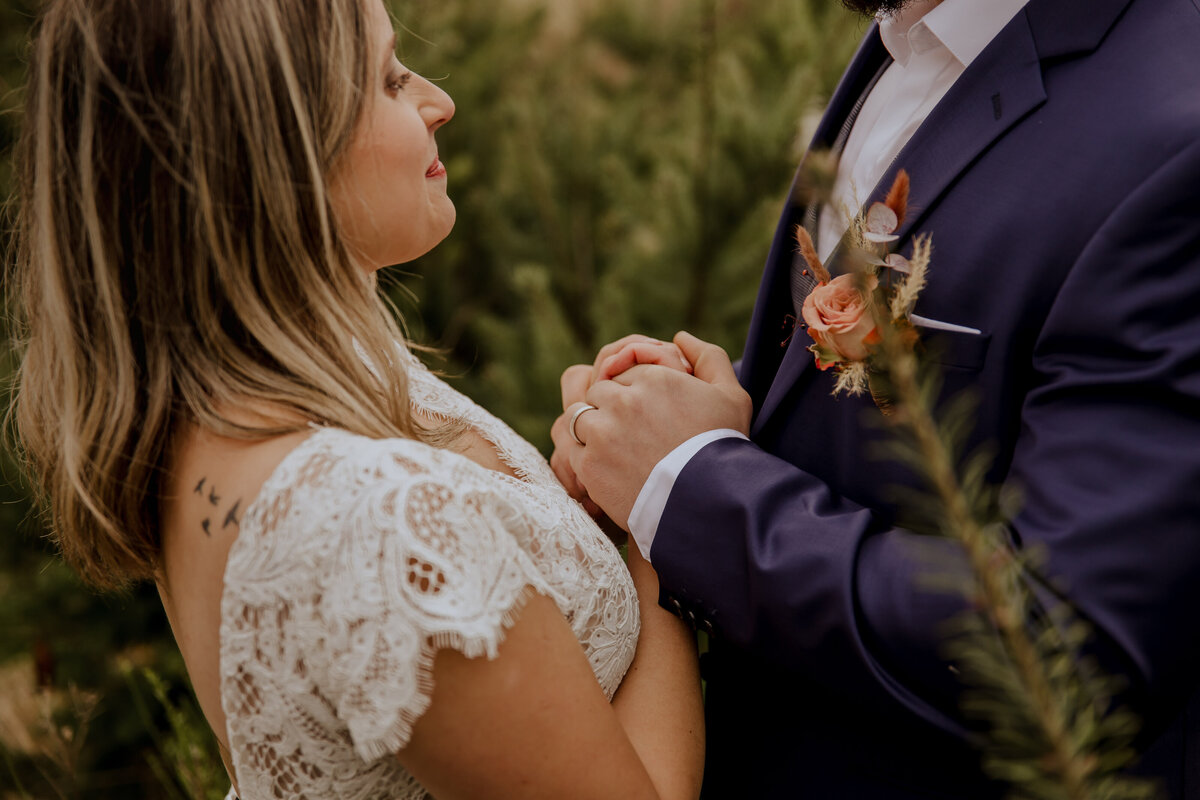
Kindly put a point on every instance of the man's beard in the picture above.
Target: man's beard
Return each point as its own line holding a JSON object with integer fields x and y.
{"x": 873, "y": 7}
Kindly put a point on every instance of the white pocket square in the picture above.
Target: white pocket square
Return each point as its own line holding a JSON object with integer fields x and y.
{"x": 938, "y": 325}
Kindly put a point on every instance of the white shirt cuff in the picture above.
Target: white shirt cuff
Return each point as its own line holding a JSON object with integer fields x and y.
{"x": 648, "y": 509}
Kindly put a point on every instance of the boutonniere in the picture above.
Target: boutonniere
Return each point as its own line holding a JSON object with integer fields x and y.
{"x": 843, "y": 315}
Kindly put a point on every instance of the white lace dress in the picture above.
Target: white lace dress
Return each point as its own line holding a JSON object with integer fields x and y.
{"x": 358, "y": 560}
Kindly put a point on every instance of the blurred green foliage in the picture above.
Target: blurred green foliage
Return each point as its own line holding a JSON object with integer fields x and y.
{"x": 617, "y": 165}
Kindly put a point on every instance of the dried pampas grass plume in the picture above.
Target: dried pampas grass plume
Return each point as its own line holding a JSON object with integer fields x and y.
{"x": 809, "y": 252}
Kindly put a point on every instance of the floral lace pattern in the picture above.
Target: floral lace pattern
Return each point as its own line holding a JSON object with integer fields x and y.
{"x": 360, "y": 559}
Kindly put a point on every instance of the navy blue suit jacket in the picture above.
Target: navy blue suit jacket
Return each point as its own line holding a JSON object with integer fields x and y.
{"x": 1060, "y": 181}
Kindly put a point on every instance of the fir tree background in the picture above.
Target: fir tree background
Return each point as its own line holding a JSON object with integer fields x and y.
{"x": 618, "y": 166}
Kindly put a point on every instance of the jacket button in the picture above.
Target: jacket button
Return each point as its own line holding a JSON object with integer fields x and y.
{"x": 676, "y": 607}
{"x": 707, "y": 627}
{"x": 691, "y": 619}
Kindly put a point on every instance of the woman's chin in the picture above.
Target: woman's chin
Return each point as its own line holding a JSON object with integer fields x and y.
{"x": 435, "y": 234}
{"x": 446, "y": 224}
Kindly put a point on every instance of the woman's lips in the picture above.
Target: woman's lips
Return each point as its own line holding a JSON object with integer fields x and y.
{"x": 436, "y": 169}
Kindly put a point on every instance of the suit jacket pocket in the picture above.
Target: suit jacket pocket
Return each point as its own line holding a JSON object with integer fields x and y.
{"x": 954, "y": 349}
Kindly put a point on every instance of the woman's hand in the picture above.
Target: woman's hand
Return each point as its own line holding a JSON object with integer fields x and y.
{"x": 631, "y": 351}
{"x": 612, "y": 360}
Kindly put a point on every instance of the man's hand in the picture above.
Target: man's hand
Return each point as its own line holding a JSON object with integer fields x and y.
{"x": 640, "y": 416}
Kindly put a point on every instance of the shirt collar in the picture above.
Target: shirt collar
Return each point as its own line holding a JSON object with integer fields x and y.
{"x": 964, "y": 27}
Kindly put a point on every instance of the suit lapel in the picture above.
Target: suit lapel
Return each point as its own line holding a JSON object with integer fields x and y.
{"x": 1001, "y": 87}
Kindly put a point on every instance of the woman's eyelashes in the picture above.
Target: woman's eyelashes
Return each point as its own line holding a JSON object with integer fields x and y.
{"x": 398, "y": 80}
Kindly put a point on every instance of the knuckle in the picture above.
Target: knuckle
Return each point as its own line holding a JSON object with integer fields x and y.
{"x": 620, "y": 402}
{"x": 574, "y": 383}
{"x": 660, "y": 379}
{"x": 597, "y": 394}
{"x": 623, "y": 342}
{"x": 574, "y": 373}
{"x": 607, "y": 351}
{"x": 745, "y": 405}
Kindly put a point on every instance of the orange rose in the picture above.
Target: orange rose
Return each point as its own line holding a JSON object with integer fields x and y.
{"x": 839, "y": 322}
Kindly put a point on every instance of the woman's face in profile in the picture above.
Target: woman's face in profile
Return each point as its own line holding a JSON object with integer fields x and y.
{"x": 389, "y": 191}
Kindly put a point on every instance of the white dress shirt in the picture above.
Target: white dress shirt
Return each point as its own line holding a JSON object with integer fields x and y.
{"x": 932, "y": 43}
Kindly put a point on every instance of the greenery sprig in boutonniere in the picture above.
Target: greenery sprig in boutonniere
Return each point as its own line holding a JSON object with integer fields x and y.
{"x": 844, "y": 315}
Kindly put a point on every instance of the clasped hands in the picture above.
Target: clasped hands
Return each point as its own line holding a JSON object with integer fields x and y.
{"x": 647, "y": 397}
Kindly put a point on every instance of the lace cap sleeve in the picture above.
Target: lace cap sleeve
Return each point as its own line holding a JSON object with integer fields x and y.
{"x": 367, "y": 558}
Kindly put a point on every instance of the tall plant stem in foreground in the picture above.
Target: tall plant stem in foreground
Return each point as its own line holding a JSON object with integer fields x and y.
{"x": 993, "y": 565}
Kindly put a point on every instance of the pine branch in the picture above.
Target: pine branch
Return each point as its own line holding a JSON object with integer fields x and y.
{"x": 1039, "y": 667}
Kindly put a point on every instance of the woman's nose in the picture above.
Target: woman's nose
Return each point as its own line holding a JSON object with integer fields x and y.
{"x": 437, "y": 108}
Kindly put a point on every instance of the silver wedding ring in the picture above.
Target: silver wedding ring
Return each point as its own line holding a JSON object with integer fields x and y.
{"x": 575, "y": 418}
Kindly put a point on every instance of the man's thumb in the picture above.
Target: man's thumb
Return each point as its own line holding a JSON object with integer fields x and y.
{"x": 710, "y": 363}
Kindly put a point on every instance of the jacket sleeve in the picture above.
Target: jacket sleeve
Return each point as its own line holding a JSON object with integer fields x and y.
{"x": 1107, "y": 461}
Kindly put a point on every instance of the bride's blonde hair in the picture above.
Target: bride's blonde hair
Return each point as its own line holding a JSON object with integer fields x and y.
{"x": 177, "y": 251}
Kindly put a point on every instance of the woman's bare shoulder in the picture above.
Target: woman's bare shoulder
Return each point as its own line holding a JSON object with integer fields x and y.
{"x": 212, "y": 480}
